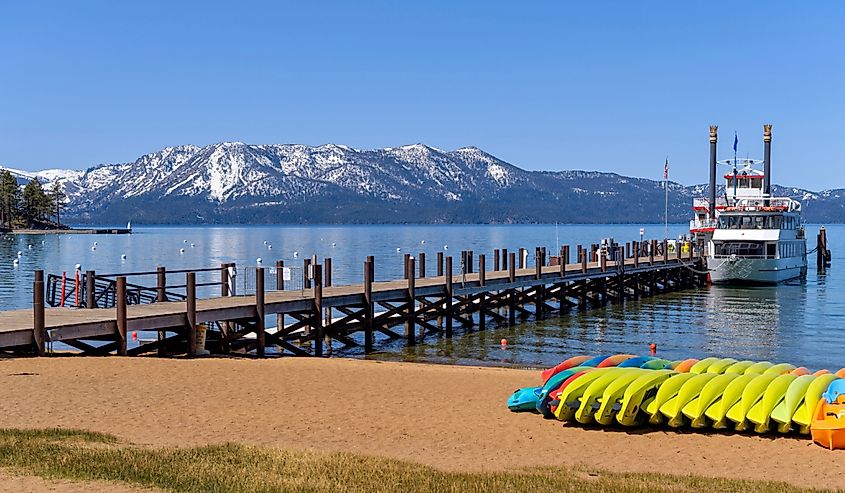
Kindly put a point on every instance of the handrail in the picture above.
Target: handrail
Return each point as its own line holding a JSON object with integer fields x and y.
{"x": 154, "y": 272}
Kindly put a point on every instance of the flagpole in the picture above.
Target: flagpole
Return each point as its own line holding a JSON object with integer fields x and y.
{"x": 666, "y": 189}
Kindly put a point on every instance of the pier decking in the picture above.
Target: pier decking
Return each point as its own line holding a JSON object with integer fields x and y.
{"x": 322, "y": 314}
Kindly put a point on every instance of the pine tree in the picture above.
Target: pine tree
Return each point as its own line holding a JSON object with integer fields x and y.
{"x": 57, "y": 198}
{"x": 10, "y": 197}
{"x": 36, "y": 204}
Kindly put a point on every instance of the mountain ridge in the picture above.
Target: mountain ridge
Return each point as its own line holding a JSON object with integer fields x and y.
{"x": 333, "y": 183}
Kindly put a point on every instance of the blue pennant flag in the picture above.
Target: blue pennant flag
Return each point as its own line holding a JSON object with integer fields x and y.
{"x": 736, "y": 141}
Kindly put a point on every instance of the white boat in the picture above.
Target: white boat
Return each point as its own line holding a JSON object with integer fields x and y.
{"x": 751, "y": 236}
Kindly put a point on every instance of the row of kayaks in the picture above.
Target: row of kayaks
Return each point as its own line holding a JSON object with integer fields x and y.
{"x": 720, "y": 393}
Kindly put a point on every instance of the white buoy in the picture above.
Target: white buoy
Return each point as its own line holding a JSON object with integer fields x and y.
{"x": 334, "y": 245}
{"x": 20, "y": 253}
{"x": 95, "y": 243}
{"x": 42, "y": 242}
{"x": 269, "y": 247}
{"x": 185, "y": 241}
{"x": 422, "y": 242}
{"x": 29, "y": 246}
{"x": 94, "y": 248}
{"x": 445, "y": 247}
{"x": 398, "y": 249}
{"x": 258, "y": 261}
{"x": 77, "y": 267}
{"x": 295, "y": 254}
{"x": 15, "y": 262}
{"x": 192, "y": 245}
{"x": 181, "y": 251}
{"x": 265, "y": 242}
{"x": 123, "y": 256}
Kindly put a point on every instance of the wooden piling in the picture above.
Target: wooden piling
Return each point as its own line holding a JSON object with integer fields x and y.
{"x": 422, "y": 265}
{"x": 191, "y": 312}
{"x": 538, "y": 264}
{"x": 224, "y": 280}
{"x": 317, "y": 314}
{"x": 260, "y": 317}
{"x": 470, "y": 259}
{"x": 411, "y": 312}
{"x": 368, "y": 306}
{"x": 504, "y": 259}
{"x": 439, "y": 264}
{"x": 405, "y": 259}
{"x": 327, "y": 272}
{"x": 120, "y": 306}
{"x": 482, "y": 274}
{"x": 449, "y": 296}
{"x": 512, "y": 291}
{"x": 39, "y": 330}
{"x": 584, "y": 261}
{"x": 495, "y": 260}
{"x": 635, "y": 249}
{"x": 521, "y": 258}
{"x": 280, "y": 275}
{"x": 306, "y": 273}
{"x": 161, "y": 296}
{"x": 90, "y": 300}
{"x": 652, "y": 247}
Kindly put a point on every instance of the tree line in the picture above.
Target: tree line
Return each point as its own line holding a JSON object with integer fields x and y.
{"x": 31, "y": 206}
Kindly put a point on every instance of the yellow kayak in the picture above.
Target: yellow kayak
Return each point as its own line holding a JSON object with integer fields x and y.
{"x": 613, "y": 394}
{"x": 721, "y": 365}
{"x": 761, "y": 413}
{"x": 718, "y": 411}
{"x": 593, "y": 393}
{"x": 739, "y": 367}
{"x": 702, "y": 365}
{"x": 758, "y": 368}
{"x": 689, "y": 391}
{"x": 638, "y": 393}
{"x": 752, "y": 393}
{"x": 711, "y": 392}
{"x": 666, "y": 391}
{"x": 804, "y": 414}
{"x": 779, "y": 369}
{"x": 782, "y": 413}
{"x": 570, "y": 398}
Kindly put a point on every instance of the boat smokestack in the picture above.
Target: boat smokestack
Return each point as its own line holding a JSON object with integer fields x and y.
{"x": 713, "y": 139}
{"x": 767, "y": 159}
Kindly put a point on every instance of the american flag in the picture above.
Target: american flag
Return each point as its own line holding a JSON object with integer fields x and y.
{"x": 666, "y": 170}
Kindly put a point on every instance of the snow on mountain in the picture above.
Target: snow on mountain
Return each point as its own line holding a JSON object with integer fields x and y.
{"x": 233, "y": 181}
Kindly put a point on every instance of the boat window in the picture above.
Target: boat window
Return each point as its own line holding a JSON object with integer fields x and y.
{"x": 774, "y": 222}
{"x": 771, "y": 250}
{"x": 740, "y": 249}
{"x": 759, "y": 222}
{"x": 730, "y": 182}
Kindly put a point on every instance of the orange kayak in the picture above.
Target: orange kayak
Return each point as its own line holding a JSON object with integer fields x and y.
{"x": 828, "y": 425}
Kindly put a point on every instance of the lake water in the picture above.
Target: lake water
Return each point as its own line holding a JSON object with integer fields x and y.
{"x": 799, "y": 322}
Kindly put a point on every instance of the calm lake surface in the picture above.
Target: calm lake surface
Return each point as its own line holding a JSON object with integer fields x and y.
{"x": 800, "y": 322}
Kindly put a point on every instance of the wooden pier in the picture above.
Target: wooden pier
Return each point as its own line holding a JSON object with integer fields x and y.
{"x": 319, "y": 316}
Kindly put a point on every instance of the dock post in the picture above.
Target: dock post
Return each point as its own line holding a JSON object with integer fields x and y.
{"x": 260, "y": 316}
{"x": 327, "y": 272}
{"x": 120, "y": 305}
{"x": 495, "y": 260}
{"x": 191, "y": 312}
{"x": 410, "y": 316}
{"x": 422, "y": 265}
{"x": 306, "y": 273}
{"x": 564, "y": 260}
{"x": 405, "y": 263}
{"x": 504, "y": 259}
{"x": 368, "y": 305}
{"x": 317, "y": 316}
{"x": 90, "y": 276}
{"x": 635, "y": 249}
{"x": 449, "y": 295}
{"x": 665, "y": 251}
{"x": 603, "y": 261}
{"x": 521, "y": 258}
{"x": 538, "y": 264}
{"x": 512, "y": 290}
{"x": 482, "y": 281}
{"x": 226, "y": 289}
{"x": 39, "y": 331}
{"x": 470, "y": 261}
{"x": 439, "y": 264}
{"x": 280, "y": 286}
{"x": 224, "y": 280}
{"x": 652, "y": 247}
{"x": 583, "y": 261}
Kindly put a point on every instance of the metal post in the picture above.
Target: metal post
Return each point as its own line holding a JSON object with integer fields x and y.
{"x": 317, "y": 316}
{"x": 449, "y": 295}
{"x": 120, "y": 305}
{"x": 191, "y": 312}
{"x": 39, "y": 331}
{"x": 410, "y": 318}
{"x": 260, "y": 316}
{"x": 713, "y": 138}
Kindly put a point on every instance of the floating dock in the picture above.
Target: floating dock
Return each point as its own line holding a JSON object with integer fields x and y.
{"x": 317, "y": 316}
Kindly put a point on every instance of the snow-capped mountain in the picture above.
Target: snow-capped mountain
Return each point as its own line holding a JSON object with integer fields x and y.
{"x": 237, "y": 182}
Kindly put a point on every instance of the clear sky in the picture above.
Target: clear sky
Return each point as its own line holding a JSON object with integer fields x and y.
{"x": 611, "y": 86}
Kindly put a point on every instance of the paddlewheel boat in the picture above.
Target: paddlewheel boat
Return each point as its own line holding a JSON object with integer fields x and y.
{"x": 752, "y": 237}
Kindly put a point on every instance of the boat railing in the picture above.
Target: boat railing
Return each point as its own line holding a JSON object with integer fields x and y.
{"x": 695, "y": 224}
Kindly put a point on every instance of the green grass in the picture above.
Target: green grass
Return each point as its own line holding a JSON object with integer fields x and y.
{"x": 81, "y": 455}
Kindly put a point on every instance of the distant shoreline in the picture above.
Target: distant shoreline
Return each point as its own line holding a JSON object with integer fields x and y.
{"x": 70, "y": 231}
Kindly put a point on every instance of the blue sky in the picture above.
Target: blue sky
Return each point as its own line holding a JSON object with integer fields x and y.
{"x": 611, "y": 86}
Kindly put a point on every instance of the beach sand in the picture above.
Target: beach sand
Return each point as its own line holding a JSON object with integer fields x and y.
{"x": 449, "y": 417}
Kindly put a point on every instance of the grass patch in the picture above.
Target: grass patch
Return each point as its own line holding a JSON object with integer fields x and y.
{"x": 81, "y": 455}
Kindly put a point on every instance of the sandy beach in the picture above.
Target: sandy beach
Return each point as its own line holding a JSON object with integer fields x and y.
{"x": 449, "y": 417}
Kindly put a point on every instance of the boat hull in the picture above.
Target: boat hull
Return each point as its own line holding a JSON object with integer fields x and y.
{"x": 755, "y": 271}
